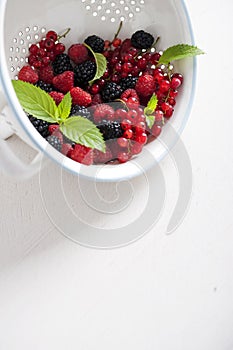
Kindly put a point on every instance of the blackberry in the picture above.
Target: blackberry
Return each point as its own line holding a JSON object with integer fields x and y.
{"x": 41, "y": 125}
{"x": 95, "y": 42}
{"x": 55, "y": 142}
{"x": 61, "y": 64}
{"x": 84, "y": 72}
{"x": 111, "y": 92}
{"x": 80, "y": 110}
{"x": 110, "y": 130}
{"x": 142, "y": 40}
{"x": 128, "y": 83}
{"x": 44, "y": 86}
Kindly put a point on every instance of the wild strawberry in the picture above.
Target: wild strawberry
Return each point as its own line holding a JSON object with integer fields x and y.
{"x": 80, "y": 97}
{"x": 28, "y": 74}
{"x": 101, "y": 157}
{"x": 46, "y": 74}
{"x": 78, "y": 53}
{"x": 82, "y": 154}
{"x": 57, "y": 96}
{"x": 145, "y": 85}
{"x": 64, "y": 82}
{"x": 103, "y": 111}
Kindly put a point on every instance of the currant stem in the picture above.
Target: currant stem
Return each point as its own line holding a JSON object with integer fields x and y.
{"x": 64, "y": 34}
{"x": 118, "y": 31}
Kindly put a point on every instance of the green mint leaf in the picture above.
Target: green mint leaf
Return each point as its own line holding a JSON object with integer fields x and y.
{"x": 64, "y": 107}
{"x": 177, "y": 52}
{"x": 101, "y": 64}
{"x": 36, "y": 101}
{"x": 151, "y": 105}
{"x": 150, "y": 120}
{"x": 83, "y": 131}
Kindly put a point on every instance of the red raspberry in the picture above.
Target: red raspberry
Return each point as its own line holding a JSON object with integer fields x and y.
{"x": 145, "y": 85}
{"x": 96, "y": 100}
{"x": 66, "y": 149}
{"x": 78, "y": 53}
{"x": 101, "y": 158}
{"x": 64, "y": 82}
{"x": 28, "y": 74}
{"x": 53, "y": 128}
{"x": 82, "y": 154}
{"x": 57, "y": 96}
{"x": 80, "y": 97}
{"x": 103, "y": 111}
{"x": 129, "y": 93}
{"x": 46, "y": 74}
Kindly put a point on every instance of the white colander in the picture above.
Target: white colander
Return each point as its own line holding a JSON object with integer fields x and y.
{"x": 22, "y": 25}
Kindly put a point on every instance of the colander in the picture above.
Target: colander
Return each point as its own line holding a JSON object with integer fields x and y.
{"x": 22, "y": 25}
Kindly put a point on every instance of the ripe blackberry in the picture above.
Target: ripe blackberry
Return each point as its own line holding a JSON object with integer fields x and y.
{"x": 142, "y": 40}
{"x": 41, "y": 125}
{"x": 128, "y": 83}
{"x": 61, "y": 64}
{"x": 111, "y": 92}
{"x": 84, "y": 72}
{"x": 110, "y": 130}
{"x": 55, "y": 142}
{"x": 95, "y": 42}
{"x": 80, "y": 110}
{"x": 44, "y": 86}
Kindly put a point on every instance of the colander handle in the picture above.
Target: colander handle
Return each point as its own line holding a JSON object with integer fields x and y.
{"x": 10, "y": 164}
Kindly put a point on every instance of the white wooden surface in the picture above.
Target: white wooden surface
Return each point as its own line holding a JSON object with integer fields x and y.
{"x": 162, "y": 292}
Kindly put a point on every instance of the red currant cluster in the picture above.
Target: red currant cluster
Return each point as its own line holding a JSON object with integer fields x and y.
{"x": 45, "y": 51}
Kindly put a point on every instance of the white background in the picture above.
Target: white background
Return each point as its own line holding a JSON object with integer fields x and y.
{"x": 162, "y": 292}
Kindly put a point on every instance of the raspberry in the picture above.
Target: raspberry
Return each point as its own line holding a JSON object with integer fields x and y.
{"x": 66, "y": 149}
{"x": 41, "y": 125}
{"x": 145, "y": 85}
{"x": 101, "y": 158}
{"x": 84, "y": 72}
{"x": 80, "y": 97}
{"x": 129, "y": 93}
{"x": 82, "y": 154}
{"x": 142, "y": 40}
{"x": 96, "y": 100}
{"x": 103, "y": 111}
{"x": 61, "y": 64}
{"x": 80, "y": 110}
{"x": 78, "y": 53}
{"x": 46, "y": 74}
{"x": 44, "y": 86}
{"x": 55, "y": 142}
{"x": 111, "y": 92}
{"x": 57, "y": 96}
{"x": 28, "y": 74}
{"x": 64, "y": 82}
{"x": 53, "y": 128}
{"x": 128, "y": 83}
{"x": 110, "y": 130}
{"x": 95, "y": 42}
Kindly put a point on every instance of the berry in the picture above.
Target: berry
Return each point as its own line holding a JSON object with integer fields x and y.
{"x": 80, "y": 97}
{"x": 46, "y": 74}
{"x": 136, "y": 148}
{"x": 66, "y": 149}
{"x": 55, "y": 142}
{"x": 84, "y": 72}
{"x": 59, "y": 48}
{"x": 78, "y": 53}
{"x": 49, "y": 44}
{"x": 110, "y": 130}
{"x": 57, "y": 96}
{"x": 51, "y": 34}
{"x": 80, "y": 111}
{"x": 44, "y": 86}
{"x": 102, "y": 157}
{"x": 142, "y": 139}
{"x": 145, "y": 85}
{"x": 61, "y": 64}
{"x": 95, "y": 43}
{"x": 53, "y": 128}
{"x": 128, "y": 134}
{"x": 142, "y": 63}
{"x": 123, "y": 157}
{"x": 96, "y": 100}
{"x": 156, "y": 130}
{"x": 176, "y": 82}
{"x": 41, "y": 125}
{"x": 103, "y": 111}
{"x": 159, "y": 116}
{"x": 82, "y": 154}
{"x": 164, "y": 85}
{"x": 28, "y": 75}
{"x": 116, "y": 42}
{"x": 123, "y": 142}
{"x": 128, "y": 83}
{"x": 126, "y": 124}
{"x": 33, "y": 49}
{"x": 64, "y": 82}
{"x": 111, "y": 91}
{"x": 142, "y": 40}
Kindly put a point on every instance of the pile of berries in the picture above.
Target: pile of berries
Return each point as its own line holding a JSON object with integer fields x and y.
{"x": 113, "y": 102}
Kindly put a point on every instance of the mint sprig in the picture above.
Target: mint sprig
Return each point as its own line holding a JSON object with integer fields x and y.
{"x": 101, "y": 64}
{"x": 149, "y": 110}
{"x": 178, "y": 52}
{"x": 41, "y": 105}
